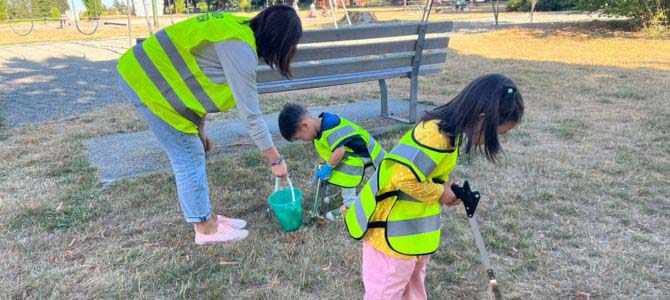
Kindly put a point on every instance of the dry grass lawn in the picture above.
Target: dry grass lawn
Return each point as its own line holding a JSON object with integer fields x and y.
{"x": 578, "y": 209}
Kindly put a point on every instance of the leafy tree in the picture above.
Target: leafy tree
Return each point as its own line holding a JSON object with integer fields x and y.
{"x": 54, "y": 13}
{"x": 120, "y": 7}
{"x": 94, "y": 7}
{"x": 3, "y": 10}
{"x": 180, "y": 6}
{"x": 245, "y": 5}
{"x": 643, "y": 12}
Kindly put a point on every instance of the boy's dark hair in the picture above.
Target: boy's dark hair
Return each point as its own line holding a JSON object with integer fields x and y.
{"x": 494, "y": 95}
{"x": 289, "y": 120}
{"x": 277, "y": 30}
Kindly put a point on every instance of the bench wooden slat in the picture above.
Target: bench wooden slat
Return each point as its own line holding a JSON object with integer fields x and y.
{"x": 372, "y": 31}
{"x": 335, "y": 67}
{"x": 309, "y": 83}
{"x": 342, "y": 51}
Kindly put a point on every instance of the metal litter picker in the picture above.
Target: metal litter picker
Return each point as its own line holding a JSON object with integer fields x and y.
{"x": 470, "y": 199}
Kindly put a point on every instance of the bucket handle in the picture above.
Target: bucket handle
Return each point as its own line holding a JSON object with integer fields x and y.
{"x": 290, "y": 184}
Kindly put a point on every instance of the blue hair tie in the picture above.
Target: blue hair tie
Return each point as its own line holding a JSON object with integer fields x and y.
{"x": 510, "y": 90}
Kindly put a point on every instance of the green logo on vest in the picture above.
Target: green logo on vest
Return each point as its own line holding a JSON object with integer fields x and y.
{"x": 203, "y": 18}
{"x": 217, "y": 15}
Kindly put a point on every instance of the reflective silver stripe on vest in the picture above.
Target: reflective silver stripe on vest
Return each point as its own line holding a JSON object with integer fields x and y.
{"x": 374, "y": 183}
{"x": 350, "y": 170}
{"x": 339, "y": 133}
{"x": 185, "y": 73}
{"x": 422, "y": 161}
{"x": 412, "y": 226}
{"x": 361, "y": 218}
{"x": 406, "y": 197}
{"x": 162, "y": 85}
{"x": 371, "y": 147}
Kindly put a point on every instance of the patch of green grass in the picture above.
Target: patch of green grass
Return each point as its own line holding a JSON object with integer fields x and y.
{"x": 3, "y": 128}
{"x": 605, "y": 100}
{"x": 558, "y": 233}
{"x": 628, "y": 94}
{"x": 52, "y": 219}
{"x": 569, "y": 128}
{"x": 75, "y": 206}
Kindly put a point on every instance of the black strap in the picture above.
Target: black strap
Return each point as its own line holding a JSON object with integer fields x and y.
{"x": 390, "y": 194}
{"x": 386, "y": 195}
{"x": 378, "y": 224}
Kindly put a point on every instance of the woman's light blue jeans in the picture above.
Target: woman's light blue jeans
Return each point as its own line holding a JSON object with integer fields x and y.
{"x": 187, "y": 156}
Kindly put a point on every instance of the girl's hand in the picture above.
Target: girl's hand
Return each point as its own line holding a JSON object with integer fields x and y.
{"x": 280, "y": 170}
{"x": 448, "y": 198}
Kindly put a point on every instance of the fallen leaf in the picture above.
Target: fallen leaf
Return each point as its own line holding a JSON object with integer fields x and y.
{"x": 584, "y": 294}
{"x": 294, "y": 237}
{"x": 566, "y": 221}
{"x": 326, "y": 268}
{"x": 274, "y": 282}
{"x": 615, "y": 242}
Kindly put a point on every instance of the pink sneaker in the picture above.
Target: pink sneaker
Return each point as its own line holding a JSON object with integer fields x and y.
{"x": 235, "y": 223}
{"x": 223, "y": 234}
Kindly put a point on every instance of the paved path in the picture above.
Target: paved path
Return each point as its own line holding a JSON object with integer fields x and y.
{"x": 136, "y": 154}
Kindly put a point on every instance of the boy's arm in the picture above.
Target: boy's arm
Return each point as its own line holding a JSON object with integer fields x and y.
{"x": 326, "y": 170}
{"x": 336, "y": 157}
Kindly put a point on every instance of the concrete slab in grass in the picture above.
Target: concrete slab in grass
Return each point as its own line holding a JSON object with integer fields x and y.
{"x": 136, "y": 154}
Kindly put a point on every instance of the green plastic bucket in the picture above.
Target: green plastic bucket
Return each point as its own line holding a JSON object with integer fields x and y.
{"x": 287, "y": 206}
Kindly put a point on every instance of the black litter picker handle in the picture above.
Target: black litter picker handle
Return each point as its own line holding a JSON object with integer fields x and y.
{"x": 469, "y": 197}
{"x": 470, "y": 200}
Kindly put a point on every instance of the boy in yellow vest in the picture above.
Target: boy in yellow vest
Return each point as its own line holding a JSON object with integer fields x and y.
{"x": 343, "y": 148}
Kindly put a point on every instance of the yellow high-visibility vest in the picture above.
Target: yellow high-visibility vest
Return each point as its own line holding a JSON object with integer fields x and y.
{"x": 164, "y": 73}
{"x": 412, "y": 226}
{"x": 349, "y": 172}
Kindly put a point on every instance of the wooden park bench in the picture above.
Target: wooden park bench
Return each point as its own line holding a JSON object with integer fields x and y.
{"x": 331, "y": 57}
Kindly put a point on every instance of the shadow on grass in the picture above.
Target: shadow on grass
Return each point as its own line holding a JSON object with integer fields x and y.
{"x": 36, "y": 91}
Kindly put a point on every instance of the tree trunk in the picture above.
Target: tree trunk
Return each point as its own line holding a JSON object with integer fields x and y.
{"x": 532, "y": 9}
{"x": 496, "y": 6}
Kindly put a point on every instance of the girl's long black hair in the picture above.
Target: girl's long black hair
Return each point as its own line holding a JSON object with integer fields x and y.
{"x": 494, "y": 95}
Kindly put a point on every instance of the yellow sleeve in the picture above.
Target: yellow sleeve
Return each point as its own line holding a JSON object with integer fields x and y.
{"x": 426, "y": 191}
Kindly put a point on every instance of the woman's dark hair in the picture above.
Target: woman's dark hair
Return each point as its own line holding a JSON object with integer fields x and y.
{"x": 277, "y": 30}
{"x": 494, "y": 95}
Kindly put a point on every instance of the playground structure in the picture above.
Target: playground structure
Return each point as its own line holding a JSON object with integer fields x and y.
{"x": 23, "y": 19}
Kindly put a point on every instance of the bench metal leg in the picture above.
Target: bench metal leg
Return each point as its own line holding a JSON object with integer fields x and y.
{"x": 384, "y": 97}
{"x": 413, "y": 90}
{"x": 385, "y": 103}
